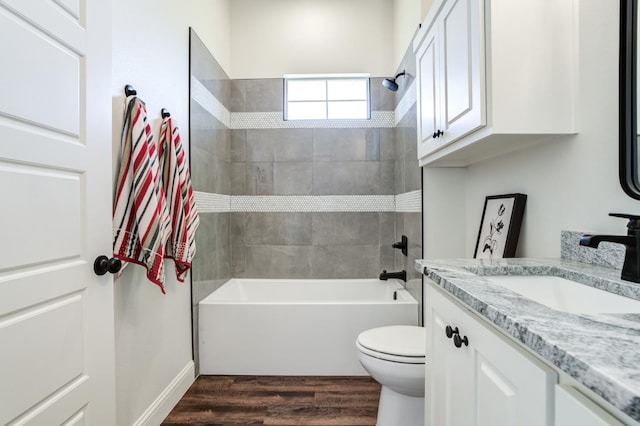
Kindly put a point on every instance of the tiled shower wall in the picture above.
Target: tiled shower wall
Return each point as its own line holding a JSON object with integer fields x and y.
{"x": 309, "y": 161}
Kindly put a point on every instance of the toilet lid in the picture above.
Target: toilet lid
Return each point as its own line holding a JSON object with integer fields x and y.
{"x": 397, "y": 340}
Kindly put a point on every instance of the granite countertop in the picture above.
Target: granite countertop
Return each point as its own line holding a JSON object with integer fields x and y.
{"x": 600, "y": 351}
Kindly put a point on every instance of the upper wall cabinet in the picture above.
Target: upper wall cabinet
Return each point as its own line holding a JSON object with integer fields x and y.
{"x": 493, "y": 76}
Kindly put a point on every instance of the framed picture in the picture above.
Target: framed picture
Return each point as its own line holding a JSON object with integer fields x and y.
{"x": 500, "y": 226}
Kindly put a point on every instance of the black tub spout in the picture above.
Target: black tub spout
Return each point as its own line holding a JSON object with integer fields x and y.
{"x": 402, "y": 275}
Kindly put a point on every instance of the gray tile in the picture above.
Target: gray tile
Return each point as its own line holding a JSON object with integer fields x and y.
{"x": 238, "y": 101}
{"x": 238, "y": 261}
{"x": 346, "y": 228}
{"x": 238, "y": 145}
{"x": 413, "y": 231}
{"x": 238, "y": 173}
{"x": 279, "y": 145}
{"x": 260, "y": 178}
{"x": 399, "y": 177}
{"x": 412, "y": 173}
{"x": 278, "y": 229}
{"x": 350, "y": 178}
{"x": 205, "y": 68}
{"x": 387, "y": 144}
{"x": 346, "y": 261}
{"x": 387, "y": 173}
{"x": 238, "y": 224}
{"x": 278, "y": 262}
{"x": 346, "y": 145}
{"x": 383, "y": 99}
{"x": 387, "y": 229}
{"x": 387, "y": 259}
{"x": 293, "y": 178}
{"x": 264, "y": 95}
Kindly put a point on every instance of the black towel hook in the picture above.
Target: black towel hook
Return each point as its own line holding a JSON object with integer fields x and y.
{"x": 129, "y": 90}
{"x": 165, "y": 113}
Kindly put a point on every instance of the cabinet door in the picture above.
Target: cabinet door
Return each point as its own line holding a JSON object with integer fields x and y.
{"x": 428, "y": 105}
{"x": 513, "y": 388}
{"x": 461, "y": 61}
{"x": 449, "y": 370}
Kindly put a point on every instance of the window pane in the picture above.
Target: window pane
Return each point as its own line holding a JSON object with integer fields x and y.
{"x": 306, "y": 90}
{"x": 348, "y": 109}
{"x": 306, "y": 110}
{"x": 348, "y": 89}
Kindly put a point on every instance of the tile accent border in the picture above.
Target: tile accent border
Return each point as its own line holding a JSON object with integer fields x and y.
{"x": 408, "y": 202}
{"x": 405, "y": 104}
{"x": 273, "y": 120}
{"x": 313, "y": 203}
{"x": 212, "y": 203}
{"x": 210, "y": 103}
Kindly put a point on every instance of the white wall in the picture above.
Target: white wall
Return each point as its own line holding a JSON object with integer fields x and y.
{"x": 406, "y": 18}
{"x": 571, "y": 183}
{"x": 153, "y": 331}
{"x": 276, "y": 37}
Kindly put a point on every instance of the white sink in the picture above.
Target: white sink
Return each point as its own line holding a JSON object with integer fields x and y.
{"x": 565, "y": 295}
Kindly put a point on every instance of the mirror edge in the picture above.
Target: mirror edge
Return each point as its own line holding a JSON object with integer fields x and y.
{"x": 628, "y": 150}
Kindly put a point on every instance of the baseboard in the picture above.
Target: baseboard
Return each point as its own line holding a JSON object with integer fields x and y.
{"x": 164, "y": 403}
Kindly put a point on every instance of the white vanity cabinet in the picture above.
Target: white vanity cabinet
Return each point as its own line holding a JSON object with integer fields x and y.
{"x": 486, "y": 382}
{"x": 493, "y": 76}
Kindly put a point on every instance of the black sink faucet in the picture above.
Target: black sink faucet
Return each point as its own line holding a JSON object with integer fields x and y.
{"x": 402, "y": 275}
{"x": 631, "y": 241}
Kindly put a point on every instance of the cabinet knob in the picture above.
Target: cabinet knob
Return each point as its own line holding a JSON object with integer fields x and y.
{"x": 103, "y": 264}
{"x": 459, "y": 341}
{"x": 450, "y": 332}
{"x": 438, "y": 133}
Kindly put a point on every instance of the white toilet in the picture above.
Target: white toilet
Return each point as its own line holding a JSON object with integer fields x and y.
{"x": 394, "y": 356}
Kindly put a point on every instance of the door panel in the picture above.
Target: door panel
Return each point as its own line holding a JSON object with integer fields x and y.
{"x": 29, "y": 371}
{"x": 462, "y": 68}
{"x": 56, "y": 212}
{"x": 457, "y": 57}
{"x": 49, "y": 76}
{"x": 56, "y": 315}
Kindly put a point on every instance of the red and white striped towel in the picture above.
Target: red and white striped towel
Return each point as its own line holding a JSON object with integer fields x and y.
{"x": 176, "y": 182}
{"x": 140, "y": 214}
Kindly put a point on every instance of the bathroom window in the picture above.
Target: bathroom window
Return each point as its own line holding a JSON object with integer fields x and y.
{"x": 326, "y": 97}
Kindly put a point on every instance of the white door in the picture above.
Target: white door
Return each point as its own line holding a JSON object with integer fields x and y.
{"x": 56, "y": 315}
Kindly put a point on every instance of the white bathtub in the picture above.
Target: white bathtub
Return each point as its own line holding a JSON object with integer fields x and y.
{"x": 295, "y": 327}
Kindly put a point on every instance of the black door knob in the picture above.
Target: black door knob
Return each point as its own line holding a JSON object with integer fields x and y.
{"x": 103, "y": 264}
{"x": 450, "y": 332}
{"x": 459, "y": 341}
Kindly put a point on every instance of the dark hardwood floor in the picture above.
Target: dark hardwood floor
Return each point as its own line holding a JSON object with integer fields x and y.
{"x": 277, "y": 400}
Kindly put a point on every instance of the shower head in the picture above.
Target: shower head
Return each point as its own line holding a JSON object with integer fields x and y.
{"x": 390, "y": 83}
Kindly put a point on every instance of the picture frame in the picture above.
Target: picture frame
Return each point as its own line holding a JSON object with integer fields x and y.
{"x": 500, "y": 226}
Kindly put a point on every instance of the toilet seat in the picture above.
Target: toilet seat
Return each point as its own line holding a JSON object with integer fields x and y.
{"x": 396, "y": 343}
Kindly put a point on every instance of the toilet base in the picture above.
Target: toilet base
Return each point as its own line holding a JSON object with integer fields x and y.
{"x": 397, "y": 409}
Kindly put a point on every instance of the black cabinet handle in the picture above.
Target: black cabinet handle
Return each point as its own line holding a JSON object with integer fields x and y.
{"x": 438, "y": 133}
{"x": 459, "y": 341}
{"x": 103, "y": 264}
{"x": 450, "y": 332}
